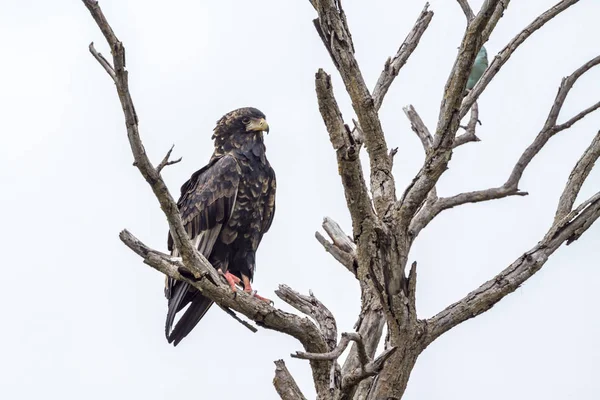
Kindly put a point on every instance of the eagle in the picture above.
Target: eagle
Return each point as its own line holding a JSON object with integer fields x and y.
{"x": 226, "y": 208}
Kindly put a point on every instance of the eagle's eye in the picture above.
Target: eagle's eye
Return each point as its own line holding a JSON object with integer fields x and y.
{"x": 246, "y": 121}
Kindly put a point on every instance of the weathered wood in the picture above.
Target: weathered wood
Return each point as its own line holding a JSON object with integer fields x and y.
{"x": 284, "y": 383}
{"x": 384, "y": 229}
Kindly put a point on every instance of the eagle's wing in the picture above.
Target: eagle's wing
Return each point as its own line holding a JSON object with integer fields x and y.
{"x": 269, "y": 188}
{"x": 206, "y": 203}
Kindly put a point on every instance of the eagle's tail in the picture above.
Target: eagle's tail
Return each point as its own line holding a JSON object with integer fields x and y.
{"x": 190, "y": 318}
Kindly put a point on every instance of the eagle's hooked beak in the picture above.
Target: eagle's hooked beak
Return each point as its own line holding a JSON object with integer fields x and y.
{"x": 257, "y": 125}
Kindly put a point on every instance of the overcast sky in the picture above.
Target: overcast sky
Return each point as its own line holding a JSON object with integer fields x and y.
{"x": 84, "y": 318}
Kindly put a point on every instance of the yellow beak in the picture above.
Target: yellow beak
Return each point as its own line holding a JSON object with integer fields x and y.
{"x": 257, "y": 125}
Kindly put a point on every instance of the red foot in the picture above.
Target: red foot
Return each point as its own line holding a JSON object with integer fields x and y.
{"x": 231, "y": 279}
{"x": 248, "y": 289}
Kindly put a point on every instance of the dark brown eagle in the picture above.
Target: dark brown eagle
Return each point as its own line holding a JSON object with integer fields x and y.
{"x": 226, "y": 207}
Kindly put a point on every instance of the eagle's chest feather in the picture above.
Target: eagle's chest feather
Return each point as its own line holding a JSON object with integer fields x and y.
{"x": 248, "y": 213}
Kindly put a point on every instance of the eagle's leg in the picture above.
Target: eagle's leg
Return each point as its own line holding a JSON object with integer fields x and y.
{"x": 248, "y": 289}
{"x": 231, "y": 279}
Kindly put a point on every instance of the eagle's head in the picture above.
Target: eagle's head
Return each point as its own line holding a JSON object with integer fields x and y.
{"x": 240, "y": 130}
{"x": 240, "y": 121}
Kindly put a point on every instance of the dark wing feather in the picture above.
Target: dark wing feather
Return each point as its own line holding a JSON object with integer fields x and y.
{"x": 206, "y": 203}
{"x": 269, "y": 205}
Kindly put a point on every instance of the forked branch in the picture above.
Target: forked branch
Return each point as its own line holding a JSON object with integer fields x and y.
{"x": 511, "y": 186}
{"x": 467, "y": 10}
{"x": 502, "y": 57}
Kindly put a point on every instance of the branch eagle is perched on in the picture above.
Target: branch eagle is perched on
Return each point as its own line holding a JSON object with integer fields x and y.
{"x": 226, "y": 207}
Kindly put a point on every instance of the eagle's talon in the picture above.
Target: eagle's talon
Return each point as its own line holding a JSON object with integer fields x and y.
{"x": 254, "y": 294}
{"x": 231, "y": 279}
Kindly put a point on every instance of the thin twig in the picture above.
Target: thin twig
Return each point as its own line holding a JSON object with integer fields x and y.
{"x": 464, "y": 4}
{"x": 469, "y": 135}
{"x": 334, "y": 354}
{"x": 103, "y": 61}
{"x": 165, "y": 161}
{"x": 394, "y": 64}
{"x": 419, "y": 127}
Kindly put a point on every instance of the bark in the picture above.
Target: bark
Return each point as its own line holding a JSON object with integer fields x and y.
{"x": 383, "y": 227}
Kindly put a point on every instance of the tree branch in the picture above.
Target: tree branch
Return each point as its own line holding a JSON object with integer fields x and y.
{"x": 167, "y": 204}
{"x": 347, "y": 152}
{"x": 464, "y": 4}
{"x": 259, "y": 311}
{"x": 284, "y": 383}
{"x": 332, "y": 26}
{"x": 419, "y": 127}
{"x": 104, "y": 62}
{"x": 312, "y": 307}
{"x": 372, "y": 368}
{"x": 578, "y": 176}
{"x": 165, "y": 161}
{"x": 496, "y": 15}
{"x": 491, "y": 292}
{"x": 469, "y": 135}
{"x": 394, "y": 64}
{"x": 511, "y": 186}
{"x": 369, "y": 326}
{"x": 337, "y": 351}
{"x": 437, "y": 160}
{"x": 342, "y": 249}
{"x": 507, "y": 52}
{"x": 550, "y": 128}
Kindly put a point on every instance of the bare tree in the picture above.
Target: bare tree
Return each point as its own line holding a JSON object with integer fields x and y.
{"x": 384, "y": 227}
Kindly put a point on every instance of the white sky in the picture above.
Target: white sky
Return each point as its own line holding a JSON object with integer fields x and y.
{"x": 83, "y": 317}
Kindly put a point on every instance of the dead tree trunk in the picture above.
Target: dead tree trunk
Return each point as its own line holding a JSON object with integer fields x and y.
{"x": 384, "y": 227}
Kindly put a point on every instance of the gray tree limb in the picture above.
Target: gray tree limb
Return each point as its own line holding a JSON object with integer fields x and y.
{"x": 367, "y": 366}
{"x": 259, "y": 311}
{"x": 508, "y": 51}
{"x": 333, "y": 28}
{"x": 487, "y": 295}
{"x": 120, "y": 76}
{"x": 511, "y": 186}
{"x": 284, "y": 383}
{"x": 578, "y": 176}
{"x": 312, "y": 307}
{"x": 347, "y": 152}
{"x": 467, "y": 10}
{"x": 469, "y": 135}
{"x": 393, "y": 65}
{"x": 419, "y": 127}
{"x": 448, "y": 122}
{"x": 341, "y": 248}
